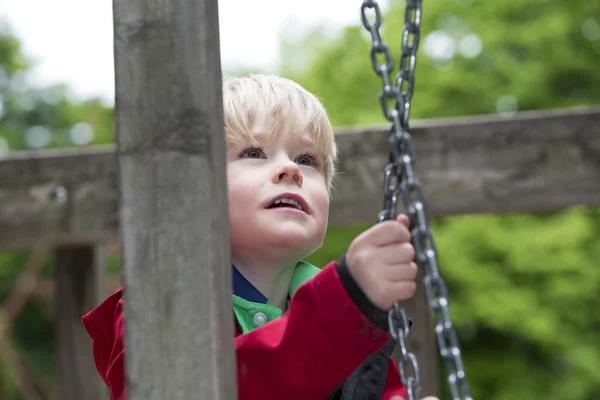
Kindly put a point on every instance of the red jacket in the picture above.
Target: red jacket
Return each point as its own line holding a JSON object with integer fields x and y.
{"x": 306, "y": 353}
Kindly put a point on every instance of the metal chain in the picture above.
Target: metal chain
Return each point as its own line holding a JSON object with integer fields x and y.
{"x": 400, "y": 179}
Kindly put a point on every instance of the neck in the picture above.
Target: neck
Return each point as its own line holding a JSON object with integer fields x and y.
{"x": 271, "y": 277}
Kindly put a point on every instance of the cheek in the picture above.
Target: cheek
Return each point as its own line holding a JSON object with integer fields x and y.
{"x": 239, "y": 190}
{"x": 315, "y": 185}
{"x": 320, "y": 200}
{"x": 321, "y": 204}
{"x": 239, "y": 196}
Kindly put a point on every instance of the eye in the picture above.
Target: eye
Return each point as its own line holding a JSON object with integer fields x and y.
{"x": 252, "y": 152}
{"x": 308, "y": 159}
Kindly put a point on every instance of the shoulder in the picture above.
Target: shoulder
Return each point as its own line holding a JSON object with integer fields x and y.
{"x": 100, "y": 322}
{"x": 105, "y": 325}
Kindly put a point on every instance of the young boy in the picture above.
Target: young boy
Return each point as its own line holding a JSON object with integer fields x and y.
{"x": 301, "y": 333}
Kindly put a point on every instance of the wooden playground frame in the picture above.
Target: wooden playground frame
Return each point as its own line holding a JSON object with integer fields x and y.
{"x": 169, "y": 163}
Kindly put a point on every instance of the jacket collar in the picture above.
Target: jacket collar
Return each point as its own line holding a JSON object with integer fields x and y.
{"x": 250, "y": 305}
{"x": 244, "y": 289}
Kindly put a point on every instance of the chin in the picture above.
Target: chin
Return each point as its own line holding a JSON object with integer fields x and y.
{"x": 291, "y": 237}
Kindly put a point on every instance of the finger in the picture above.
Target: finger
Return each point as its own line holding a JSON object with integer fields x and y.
{"x": 399, "y": 273}
{"x": 387, "y": 232}
{"x": 395, "y": 253}
{"x": 398, "y": 291}
{"x": 404, "y": 220}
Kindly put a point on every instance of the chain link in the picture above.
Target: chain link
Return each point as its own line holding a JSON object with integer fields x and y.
{"x": 399, "y": 179}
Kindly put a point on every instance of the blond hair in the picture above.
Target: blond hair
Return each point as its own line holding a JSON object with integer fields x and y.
{"x": 287, "y": 104}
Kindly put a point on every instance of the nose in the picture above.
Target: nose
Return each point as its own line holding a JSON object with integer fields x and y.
{"x": 288, "y": 171}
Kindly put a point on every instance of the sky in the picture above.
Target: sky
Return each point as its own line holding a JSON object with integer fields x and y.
{"x": 70, "y": 41}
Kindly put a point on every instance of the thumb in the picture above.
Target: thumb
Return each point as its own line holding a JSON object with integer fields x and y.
{"x": 404, "y": 220}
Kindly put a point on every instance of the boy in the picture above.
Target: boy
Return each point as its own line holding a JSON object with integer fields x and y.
{"x": 301, "y": 333}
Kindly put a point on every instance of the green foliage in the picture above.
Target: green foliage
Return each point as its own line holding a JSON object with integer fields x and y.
{"x": 35, "y": 118}
{"x": 533, "y": 51}
{"x": 54, "y": 116}
{"x": 523, "y": 287}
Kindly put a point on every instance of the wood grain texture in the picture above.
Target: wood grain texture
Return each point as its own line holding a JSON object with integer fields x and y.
{"x": 80, "y": 280}
{"x": 537, "y": 161}
{"x": 422, "y": 341}
{"x": 58, "y": 198}
{"x": 541, "y": 161}
{"x": 171, "y": 158}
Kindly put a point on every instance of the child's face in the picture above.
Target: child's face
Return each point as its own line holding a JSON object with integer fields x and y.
{"x": 256, "y": 176}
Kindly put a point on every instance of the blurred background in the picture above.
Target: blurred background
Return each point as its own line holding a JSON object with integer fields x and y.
{"x": 524, "y": 289}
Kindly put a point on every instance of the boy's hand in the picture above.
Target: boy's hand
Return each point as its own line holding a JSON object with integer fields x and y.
{"x": 381, "y": 262}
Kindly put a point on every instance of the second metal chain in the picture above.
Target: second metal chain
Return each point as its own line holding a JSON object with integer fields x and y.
{"x": 399, "y": 179}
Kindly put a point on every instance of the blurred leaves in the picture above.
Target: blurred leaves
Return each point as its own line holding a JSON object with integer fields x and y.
{"x": 476, "y": 57}
{"x": 523, "y": 288}
{"x": 33, "y": 118}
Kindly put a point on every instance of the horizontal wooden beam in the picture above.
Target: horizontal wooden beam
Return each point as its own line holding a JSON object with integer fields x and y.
{"x": 533, "y": 161}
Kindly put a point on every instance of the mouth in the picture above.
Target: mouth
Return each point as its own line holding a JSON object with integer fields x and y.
{"x": 288, "y": 200}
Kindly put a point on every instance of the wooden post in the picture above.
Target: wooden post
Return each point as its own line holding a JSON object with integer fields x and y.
{"x": 174, "y": 219}
{"x": 421, "y": 341}
{"x": 79, "y": 275}
{"x": 475, "y": 165}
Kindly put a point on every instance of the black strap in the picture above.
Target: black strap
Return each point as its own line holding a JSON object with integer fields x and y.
{"x": 371, "y": 311}
{"x": 367, "y": 382}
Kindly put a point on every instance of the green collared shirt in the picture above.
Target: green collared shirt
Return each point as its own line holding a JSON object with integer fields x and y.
{"x": 252, "y": 315}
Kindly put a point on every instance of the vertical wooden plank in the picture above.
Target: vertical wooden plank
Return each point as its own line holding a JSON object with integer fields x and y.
{"x": 174, "y": 220}
{"x": 79, "y": 288}
{"x": 421, "y": 340}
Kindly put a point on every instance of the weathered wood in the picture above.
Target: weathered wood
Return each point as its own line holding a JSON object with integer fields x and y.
{"x": 171, "y": 157}
{"x": 80, "y": 276}
{"x": 421, "y": 341}
{"x": 535, "y": 161}
{"x": 58, "y": 198}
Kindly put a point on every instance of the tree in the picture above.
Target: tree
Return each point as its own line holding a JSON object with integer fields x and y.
{"x": 522, "y": 286}
{"x": 475, "y": 57}
{"x": 33, "y": 118}
{"x": 36, "y": 118}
